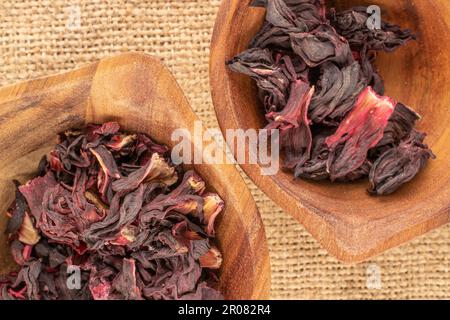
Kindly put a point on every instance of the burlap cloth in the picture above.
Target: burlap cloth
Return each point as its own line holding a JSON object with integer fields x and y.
{"x": 39, "y": 38}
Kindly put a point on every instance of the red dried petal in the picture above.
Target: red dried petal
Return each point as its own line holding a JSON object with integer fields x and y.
{"x": 106, "y": 161}
{"x": 212, "y": 259}
{"x": 126, "y": 236}
{"x": 212, "y": 206}
{"x": 360, "y": 131}
{"x": 19, "y": 294}
{"x": 108, "y": 128}
{"x": 155, "y": 170}
{"x": 34, "y": 191}
{"x": 100, "y": 291}
{"x": 294, "y": 125}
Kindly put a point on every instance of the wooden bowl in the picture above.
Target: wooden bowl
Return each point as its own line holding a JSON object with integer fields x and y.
{"x": 350, "y": 224}
{"x": 140, "y": 93}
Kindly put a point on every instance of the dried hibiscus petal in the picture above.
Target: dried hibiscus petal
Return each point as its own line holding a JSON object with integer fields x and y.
{"x": 212, "y": 207}
{"x": 56, "y": 222}
{"x": 293, "y": 123}
{"x": 359, "y": 132}
{"x": 336, "y": 93}
{"x": 18, "y": 252}
{"x": 321, "y": 45}
{"x": 280, "y": 15}
{"x": 310, "y": 11}
{"x": 118, "y": 142}
{"x": 399, "y": 165}
{"x": 155, "y": 170}
{"x": 106, "y": 160}
{"x": 107, "y": 128}
{"x": 27, "y": 232}
{"x": 125, "y": 281}
{"x": 27, "y": 277}
{"x": 34, "y": 191}
{"x": 316, "y": 166}
{"x": 273, "y": 77}
{"x": 352, "y": 24}
{"x": 285, "y": 16}
{"x": 211, "y": 259}
{"x": 399, "y": 126}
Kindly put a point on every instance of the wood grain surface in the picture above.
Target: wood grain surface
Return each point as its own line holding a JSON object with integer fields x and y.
{"x": 350, "y": 224}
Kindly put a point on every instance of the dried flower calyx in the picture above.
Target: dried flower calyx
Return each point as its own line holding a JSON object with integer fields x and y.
{"x": 400, "y": 164}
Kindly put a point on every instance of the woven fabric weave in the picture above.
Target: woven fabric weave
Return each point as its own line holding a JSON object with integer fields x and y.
{"x": 41, "y": 37}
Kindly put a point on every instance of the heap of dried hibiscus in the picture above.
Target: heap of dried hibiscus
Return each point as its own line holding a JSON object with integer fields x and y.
{"x": 111, "y": 206}
{"x": 315, "y": 72}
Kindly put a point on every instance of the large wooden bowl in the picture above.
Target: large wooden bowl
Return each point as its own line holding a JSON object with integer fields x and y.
{"x": 350, "y": 224}
{"x": 140, "y": 93}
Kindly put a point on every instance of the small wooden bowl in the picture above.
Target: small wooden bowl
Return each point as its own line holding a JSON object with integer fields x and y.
{"x": 350, "y": 224}
{"x": 137, "y": 91}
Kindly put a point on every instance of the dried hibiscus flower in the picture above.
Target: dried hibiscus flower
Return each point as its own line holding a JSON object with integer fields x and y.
{"x": 273, "y": 75}
{"x": 321, "y": 45}
{"x": 399, "y": 126}
{"x": 365, "y": 42}
{"x": 400, "y": 164}
{"x": 112, "y": 205}
{"x": 315, "y": 72}
{"x": 293, "y": 123}
{"x": 352, "y": 24}
{"x": 359, "y": 132}
{"x": 286, "y": 17}
{"x": 338, "y": 90}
